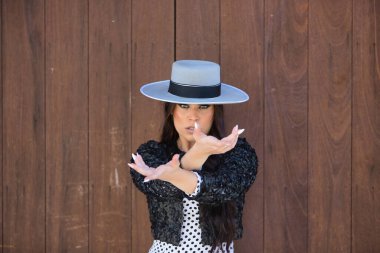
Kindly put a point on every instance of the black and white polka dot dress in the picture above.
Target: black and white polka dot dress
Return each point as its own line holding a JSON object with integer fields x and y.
{"x": 190, "y": 231}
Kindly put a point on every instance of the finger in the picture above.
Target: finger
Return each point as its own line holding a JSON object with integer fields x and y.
{"x": 229, "y": 137}
{"x": 234, "y": 132}
{"x": 152, "y": 176}
{"x": 137, "y": 168}
{"x": 137, "y": 159}
{"x": 140, "y": 161}
{"x": 234, "y": 141}
{"x": 175, "y": 160}
{"x": 235, "y": 135}
{"x": 197, "y": 131}
{"x": 241, "y": 131}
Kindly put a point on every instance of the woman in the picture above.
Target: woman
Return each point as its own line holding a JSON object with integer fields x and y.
{"x": 194, "y": 179}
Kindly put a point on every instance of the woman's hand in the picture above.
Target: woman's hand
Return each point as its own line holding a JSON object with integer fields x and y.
{"x": 169, "y": 172}
{"x": 205, "y": 146}
{"x": 209, "y": 145}
{"x": 163, "y": 172}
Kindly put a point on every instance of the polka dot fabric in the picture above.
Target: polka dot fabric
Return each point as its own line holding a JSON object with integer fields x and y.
{"x": 190, "y": 232}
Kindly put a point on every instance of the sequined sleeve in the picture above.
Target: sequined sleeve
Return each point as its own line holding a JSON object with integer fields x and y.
{"x": 233, "y": 177}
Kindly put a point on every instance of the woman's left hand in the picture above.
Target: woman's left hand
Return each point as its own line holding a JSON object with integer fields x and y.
{"x": 163, "y": 172}
{"x": 209, "y": 145}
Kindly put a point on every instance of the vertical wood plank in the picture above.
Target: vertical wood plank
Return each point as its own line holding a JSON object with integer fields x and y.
{"x": 197, "y": 30}
{"x": 1, "y": 129}
{"x": 365, "y": 128}
{"x": 241, "y": 57}
{"x": 152, "y": 57}
{"x": 330, "y": 126}
{"x": 24, "y": 129}
{"x": 109, "y": 125}
{"x": 286, "y": 54}
{"x": 67, "y": 125}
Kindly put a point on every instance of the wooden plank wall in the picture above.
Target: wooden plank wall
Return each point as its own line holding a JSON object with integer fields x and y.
{"x": 24, "y": 177}
{"x": 330, "y": 123}
{"x": 71, "y": 114}
{"x": 365, "y": 127}
{"x": 152, "y": 54}
{"x": 285, "y": 126}
{"x": 109, "y": 56}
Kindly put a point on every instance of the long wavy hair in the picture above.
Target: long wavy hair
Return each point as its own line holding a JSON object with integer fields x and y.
{"x": 219, "y": 218}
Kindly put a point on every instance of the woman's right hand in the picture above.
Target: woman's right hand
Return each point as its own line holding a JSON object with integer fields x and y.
{"x": 163, "y": 172}
{"x": 169, "y": 172}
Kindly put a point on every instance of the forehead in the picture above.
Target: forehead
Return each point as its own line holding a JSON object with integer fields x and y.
{"x": 196, "y": 105}
{"x": 178, "y": 107}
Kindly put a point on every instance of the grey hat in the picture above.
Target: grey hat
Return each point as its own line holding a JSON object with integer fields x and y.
{"x": 194, "y": 82}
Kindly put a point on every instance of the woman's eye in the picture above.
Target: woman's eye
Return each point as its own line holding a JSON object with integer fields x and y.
{"x": 184, "y": 106}
{"x": 204, "y": 106}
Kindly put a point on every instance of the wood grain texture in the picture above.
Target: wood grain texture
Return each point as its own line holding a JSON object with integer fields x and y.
{"x": 366, "y": 128}
{"x": 67, "y": 126}
{"x": 197, "y": 30}
{"x": 23, "y": 126}
{"x": 242, "y": 64}
{"x": 109, "y": 125}
{"x": 152, "y": 57}
{"x": 71, "y": 114}
{"x": 285, "y": 178}
{"x": 1, "y": 135}
{"x": 330, "y": 126}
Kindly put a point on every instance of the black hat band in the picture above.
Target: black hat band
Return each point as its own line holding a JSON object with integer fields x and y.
{"x": 194, "y": 91}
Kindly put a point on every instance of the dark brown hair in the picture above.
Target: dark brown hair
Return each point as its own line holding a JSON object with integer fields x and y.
{"x": 219, "y": 218}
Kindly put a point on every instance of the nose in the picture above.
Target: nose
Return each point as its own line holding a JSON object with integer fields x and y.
{"x": 193, "y": 114}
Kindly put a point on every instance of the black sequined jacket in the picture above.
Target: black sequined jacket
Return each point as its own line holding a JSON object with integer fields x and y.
{"x": 229, "y": 182}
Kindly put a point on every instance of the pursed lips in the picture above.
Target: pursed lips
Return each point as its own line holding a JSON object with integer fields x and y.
{"x": 190, "y": 129}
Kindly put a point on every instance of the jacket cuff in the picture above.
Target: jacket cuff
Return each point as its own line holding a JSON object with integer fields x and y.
{"x": 198, "y": 188}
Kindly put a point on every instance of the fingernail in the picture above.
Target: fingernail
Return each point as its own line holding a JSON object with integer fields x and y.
{"x": 241, "y": 131}
{"x": 146, "y": 180}
{"x": 196, "y": 125}
{"x": 134, "y": 156}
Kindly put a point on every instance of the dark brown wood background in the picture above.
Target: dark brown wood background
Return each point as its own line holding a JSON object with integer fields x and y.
{"x": 72, "y": 114}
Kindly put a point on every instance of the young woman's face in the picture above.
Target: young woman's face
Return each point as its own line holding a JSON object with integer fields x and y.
{"x": 184, "y": 117}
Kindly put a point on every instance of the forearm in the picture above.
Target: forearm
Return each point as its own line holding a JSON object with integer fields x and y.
{"x": 183, "y": 180}
{"x": 193, "y": 159}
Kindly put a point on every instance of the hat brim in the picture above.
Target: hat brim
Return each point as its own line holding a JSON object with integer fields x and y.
{"x": 159, "y": 91}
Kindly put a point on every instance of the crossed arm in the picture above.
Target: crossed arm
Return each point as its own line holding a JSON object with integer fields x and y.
{"x": 183, "y": 178}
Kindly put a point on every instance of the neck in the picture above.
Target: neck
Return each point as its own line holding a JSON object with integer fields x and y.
{"x": 184, "y": 145}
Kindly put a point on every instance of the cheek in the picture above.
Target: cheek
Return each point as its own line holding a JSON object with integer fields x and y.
{"x": 208, "y": 120}
{"x": 177, "y": 119}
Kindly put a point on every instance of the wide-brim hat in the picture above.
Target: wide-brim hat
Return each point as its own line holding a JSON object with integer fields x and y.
{"x": 194, "y": 82}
